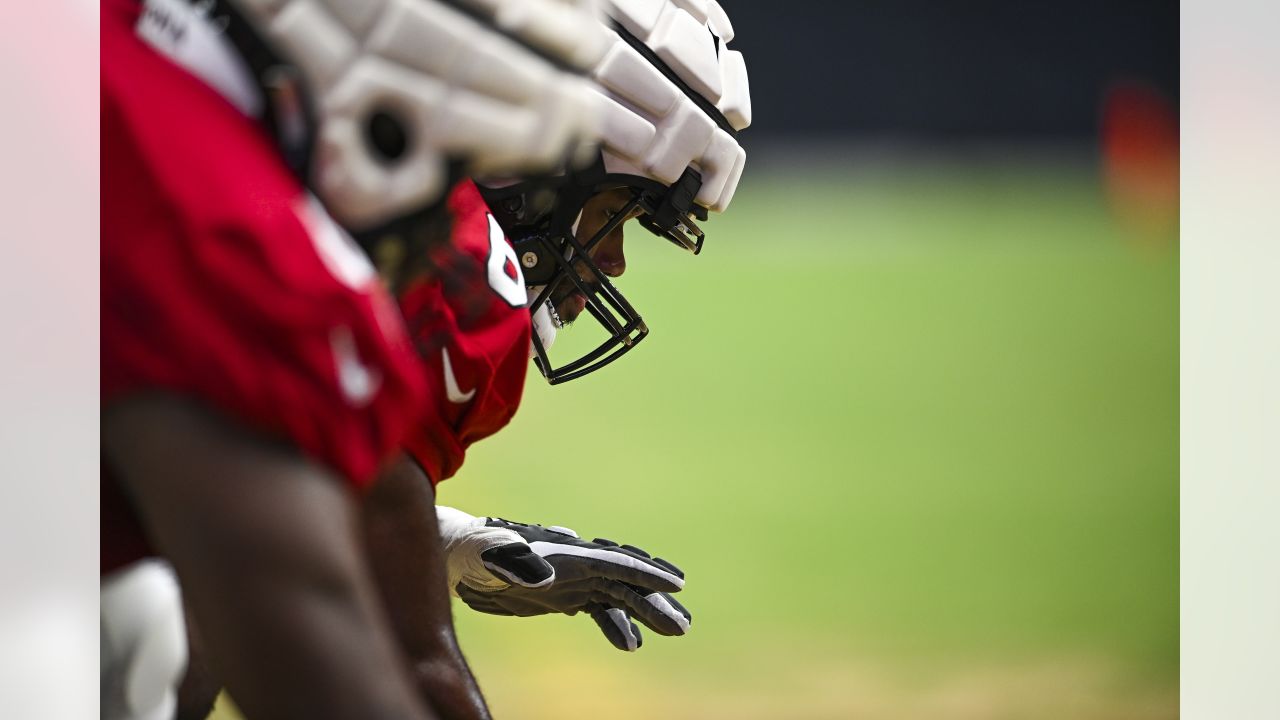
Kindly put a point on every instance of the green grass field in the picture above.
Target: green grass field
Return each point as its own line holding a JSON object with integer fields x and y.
{"x": 913, "y": 435}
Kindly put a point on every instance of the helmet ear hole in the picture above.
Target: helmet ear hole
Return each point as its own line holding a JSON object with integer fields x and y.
{"x": 386, "y": 135}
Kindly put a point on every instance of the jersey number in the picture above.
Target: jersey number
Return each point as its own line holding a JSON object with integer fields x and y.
{"x": 502, "y": 264}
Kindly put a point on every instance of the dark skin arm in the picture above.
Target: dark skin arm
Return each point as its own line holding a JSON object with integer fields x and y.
{"x": 408, "y": 562}
{"x": 267, "y": 548}
{"x": 200, "y": 687}
{"x": 407, "y": 557}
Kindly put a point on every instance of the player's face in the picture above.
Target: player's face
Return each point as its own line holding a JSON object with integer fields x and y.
{"x": 607, "y": 254}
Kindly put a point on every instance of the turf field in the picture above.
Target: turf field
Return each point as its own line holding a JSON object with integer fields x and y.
{"x": 913, "y": 436}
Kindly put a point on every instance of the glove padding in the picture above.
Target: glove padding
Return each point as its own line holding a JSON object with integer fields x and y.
{"x": 525, "y": 570}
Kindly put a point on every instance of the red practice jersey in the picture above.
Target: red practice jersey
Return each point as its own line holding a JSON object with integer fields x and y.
{"x": 225, "y": 282}
{"x": 472, "y": 330}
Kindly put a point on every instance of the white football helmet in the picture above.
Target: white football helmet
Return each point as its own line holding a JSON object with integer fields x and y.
{"x": 674, "y": 99}
{"x": 374, "y": 103}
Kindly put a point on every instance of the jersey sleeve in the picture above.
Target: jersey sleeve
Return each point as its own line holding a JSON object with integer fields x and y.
{"x": 224, "y": 282}
{"x": 472, "y": 332}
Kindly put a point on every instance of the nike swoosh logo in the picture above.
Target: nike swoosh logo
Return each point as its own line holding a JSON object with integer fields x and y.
{"x": 451, "y": 389}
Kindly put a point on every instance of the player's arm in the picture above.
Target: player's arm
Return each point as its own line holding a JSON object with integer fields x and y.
{"x": 268, "y": 551}
{"x": 408, "y": 561}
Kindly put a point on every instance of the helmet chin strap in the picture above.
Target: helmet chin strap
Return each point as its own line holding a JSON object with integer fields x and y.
{"x": 546, "y": 323}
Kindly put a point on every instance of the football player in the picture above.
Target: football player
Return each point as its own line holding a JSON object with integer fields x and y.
{"x": 675, "y": 98}
{"x": 473, "y": 333}
{"x": 255, "y": 373}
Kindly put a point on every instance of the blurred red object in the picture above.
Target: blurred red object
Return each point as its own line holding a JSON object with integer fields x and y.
{"x": 1140, "y": 161}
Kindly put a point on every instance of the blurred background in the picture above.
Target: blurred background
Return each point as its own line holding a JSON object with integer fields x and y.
{"x": 910, "y": 422}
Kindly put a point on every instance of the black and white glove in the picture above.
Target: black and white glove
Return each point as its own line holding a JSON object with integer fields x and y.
{"x": 508, "y": 568}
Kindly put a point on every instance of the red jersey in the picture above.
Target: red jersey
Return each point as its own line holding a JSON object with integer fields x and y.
{"x": 472, "y": 331}
{"x": 224, "y": 281}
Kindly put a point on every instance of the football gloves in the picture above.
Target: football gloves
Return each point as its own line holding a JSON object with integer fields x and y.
{"x": 507, "y": 568}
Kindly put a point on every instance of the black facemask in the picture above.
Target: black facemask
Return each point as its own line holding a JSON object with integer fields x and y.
{"x": 538, "y": 217}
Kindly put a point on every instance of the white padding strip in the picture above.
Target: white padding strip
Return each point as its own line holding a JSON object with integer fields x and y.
{"x": 736, "y": 101}
{"x": 625, "y": 131}
{"x": 731, "y": 185}
{"x": 626, "y": 74}
{"x": 682, "y": 138}
{"x": 696, "y": 8}
{"x": 684, "y": 44}
{"x": 669, "y": 610}
{"x": 502, "y": 572}
{"x": 716, "y": 165}
{"x": 620, "y": 619}
{"x": 718, "y": 21}
{"x": 637, "y": 16}
{"x": 546, "y": 549}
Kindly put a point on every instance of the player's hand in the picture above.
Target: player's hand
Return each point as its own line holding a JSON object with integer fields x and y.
{"x": 507, "y": 568}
